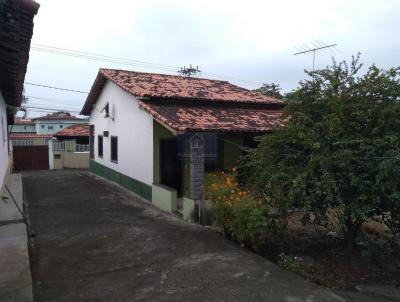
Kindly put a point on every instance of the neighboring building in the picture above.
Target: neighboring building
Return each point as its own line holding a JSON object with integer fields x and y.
{"x": 16, "y": 23}
{"x": 29, "y": 139}
{"x": 70, "y": 149}
{"x": 79, "y": 133}
{"x": 22, "y": 125}
{"x": 54, "y": 122}
{"x": 158, "y": 135}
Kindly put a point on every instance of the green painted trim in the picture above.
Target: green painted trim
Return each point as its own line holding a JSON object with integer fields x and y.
{"x": 136, "y": 186}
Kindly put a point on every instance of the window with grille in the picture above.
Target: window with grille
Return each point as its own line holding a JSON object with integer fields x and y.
{"x": 114, "y": 149}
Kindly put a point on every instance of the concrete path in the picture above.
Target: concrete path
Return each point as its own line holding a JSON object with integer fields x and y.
{"x": 97, "y": 242}
{"x": 15, "y": 274}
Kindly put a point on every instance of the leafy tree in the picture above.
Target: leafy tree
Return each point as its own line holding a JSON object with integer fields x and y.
{"x": 338, "y": 156}
{"x": 270, "y": 90}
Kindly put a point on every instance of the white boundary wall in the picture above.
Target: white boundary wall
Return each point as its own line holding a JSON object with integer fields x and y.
{"x": 3, "y": 141}
{"x": 132, "y": 126}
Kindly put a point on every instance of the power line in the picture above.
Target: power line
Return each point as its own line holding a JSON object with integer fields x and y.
{"x": 29, "y": 97}
{"x": 58, "y": 88}
{"x": 42, "y": 47}
{"x": 101, "y": 59}
{"x": 123, "y": 61}
{"x": 51, "y": 109}
{"x": 47, "y": 104}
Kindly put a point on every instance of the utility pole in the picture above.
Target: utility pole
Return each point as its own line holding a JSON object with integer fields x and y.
{"x": 189, "y": 71}
{"x": 275, "y": 89}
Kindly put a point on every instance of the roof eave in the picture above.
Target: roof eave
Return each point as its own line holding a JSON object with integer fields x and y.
{"x": 95, "y": 91}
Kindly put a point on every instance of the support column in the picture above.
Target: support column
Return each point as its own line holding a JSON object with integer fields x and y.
{"x": 196, "y": 143}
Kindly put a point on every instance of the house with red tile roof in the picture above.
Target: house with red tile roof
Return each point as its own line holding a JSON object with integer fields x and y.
{"x": 22, "y": 125}
{"x": 54, "y": 122}
{"x": 159, "y": 135}
{"x": 78, "y": 133}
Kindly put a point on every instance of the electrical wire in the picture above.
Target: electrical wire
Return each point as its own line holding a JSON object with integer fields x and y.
{"x": 50, "y": 109}
{"x": 62, "y": 107}
{"x": 53, "y": 100}
{"x": 104, "y": 56}
{"x": 57, "y": 88}
{"x": 124, "y": 61}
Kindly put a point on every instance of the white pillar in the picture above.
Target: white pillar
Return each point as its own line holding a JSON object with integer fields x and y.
{"x": 51, "y": 155}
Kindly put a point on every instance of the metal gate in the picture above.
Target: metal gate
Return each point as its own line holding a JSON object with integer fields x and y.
{"x": 31, "y": 157}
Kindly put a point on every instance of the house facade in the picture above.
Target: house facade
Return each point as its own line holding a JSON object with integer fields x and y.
{"x": 54, "y": 122}
{"x": 22, "y": 125}
{"x": 77, "y": 133}
{"x": 16, "y": 21}
{"x": 159, "y": 135}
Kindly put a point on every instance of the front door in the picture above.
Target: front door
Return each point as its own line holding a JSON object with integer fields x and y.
{"x": 170, "y": 166}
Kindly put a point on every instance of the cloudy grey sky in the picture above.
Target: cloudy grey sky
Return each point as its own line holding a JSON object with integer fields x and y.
{"x": 245, "y": 42}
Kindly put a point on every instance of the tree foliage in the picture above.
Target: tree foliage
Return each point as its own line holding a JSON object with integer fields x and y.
{"x": 338, "y": 156}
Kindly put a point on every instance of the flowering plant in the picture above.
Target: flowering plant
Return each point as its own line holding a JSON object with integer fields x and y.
{"x": 234, "y": 210}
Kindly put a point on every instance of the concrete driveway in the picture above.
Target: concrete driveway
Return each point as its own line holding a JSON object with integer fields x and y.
{"x": 97, "y": 242}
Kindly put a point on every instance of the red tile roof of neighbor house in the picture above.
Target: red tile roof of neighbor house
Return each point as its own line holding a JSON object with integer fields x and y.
{"x": 74, "y": 131}
{"x": 28, "y": 135}
{"x": 22, "y": 121}
{"x": 193, "y": 104}
{"x": 65, "y": 116}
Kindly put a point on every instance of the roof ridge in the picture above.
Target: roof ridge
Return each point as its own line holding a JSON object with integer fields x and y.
{"x": 165, "y": 74}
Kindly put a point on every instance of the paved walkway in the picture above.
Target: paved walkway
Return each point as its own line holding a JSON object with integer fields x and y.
{"x": 97, "y": 242}
{"x": 15, "y": 274}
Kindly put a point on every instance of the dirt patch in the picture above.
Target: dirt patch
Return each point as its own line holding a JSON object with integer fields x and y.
{"x": 327, "y": 263}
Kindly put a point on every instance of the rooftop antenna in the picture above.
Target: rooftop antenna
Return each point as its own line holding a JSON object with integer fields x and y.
{"x": 318, "y": 47}
{"x": 189, "y": 71}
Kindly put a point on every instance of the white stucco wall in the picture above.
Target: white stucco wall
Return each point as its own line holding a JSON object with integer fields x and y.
{"x": 134, "y": 129}
{"x": 3, "y": 141}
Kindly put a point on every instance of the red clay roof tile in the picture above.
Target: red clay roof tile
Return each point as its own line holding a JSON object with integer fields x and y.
{"x": 22, "y": 121}
{"x": 163, "y": 86}
{"x": 189, "y": 116}
{"x": 74, "y": 131}
{"x": 65, "y": 116}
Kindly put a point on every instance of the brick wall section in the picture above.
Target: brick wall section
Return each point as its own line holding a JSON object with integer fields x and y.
{"x": 196, "y": 168}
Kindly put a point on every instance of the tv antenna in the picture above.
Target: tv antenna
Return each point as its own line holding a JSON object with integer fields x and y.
{"x": 318, "y": 47}
{"x": 189, "y": 71}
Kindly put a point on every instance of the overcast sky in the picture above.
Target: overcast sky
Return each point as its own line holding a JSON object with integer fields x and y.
{"x": 246, "y": 42}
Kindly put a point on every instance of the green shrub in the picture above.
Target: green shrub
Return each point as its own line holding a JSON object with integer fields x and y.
{"x": 339, "y": 149}
{"x": 248, "y": 223}
{"x": 290, "y": 263}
